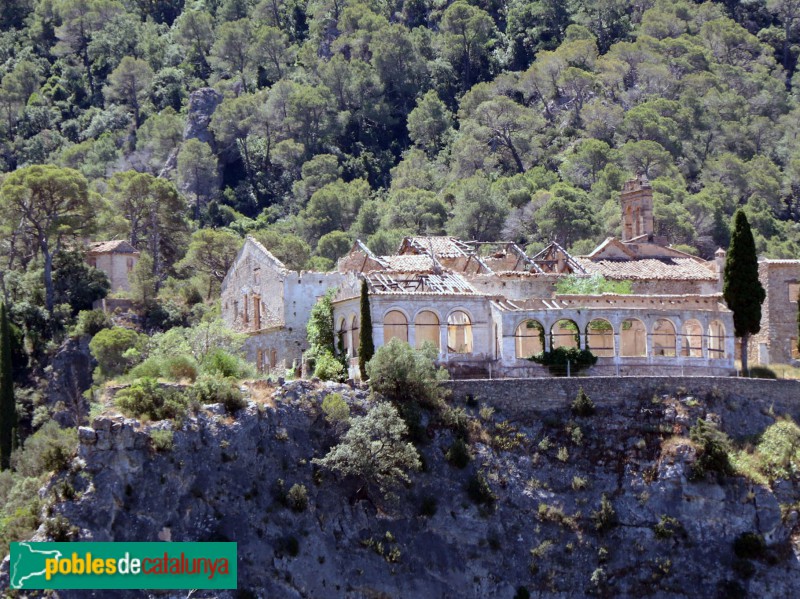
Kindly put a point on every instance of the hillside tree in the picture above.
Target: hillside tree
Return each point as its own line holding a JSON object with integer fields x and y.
{"x": 8, "y": 410}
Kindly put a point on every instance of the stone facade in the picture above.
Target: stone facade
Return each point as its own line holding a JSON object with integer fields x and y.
{"x": 477, "y": 295}
{"x": 776, "y": 343}
{"x": 271, "y": 303}
{"x": 116, "y": 259}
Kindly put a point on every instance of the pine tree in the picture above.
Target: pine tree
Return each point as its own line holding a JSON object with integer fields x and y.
{"x": 366, "y": 348}
{"x": 8, "y": 413}
{"x": 741, "y": 288}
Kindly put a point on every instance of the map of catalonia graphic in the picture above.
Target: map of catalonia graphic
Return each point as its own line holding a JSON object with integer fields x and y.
{"x": 29, "y": 563}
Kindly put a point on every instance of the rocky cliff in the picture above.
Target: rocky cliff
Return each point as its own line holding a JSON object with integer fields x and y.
{"x": 541, "y": 527}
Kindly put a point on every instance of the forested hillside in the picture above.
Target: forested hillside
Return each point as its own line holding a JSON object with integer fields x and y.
{"x": 342, "y": 119}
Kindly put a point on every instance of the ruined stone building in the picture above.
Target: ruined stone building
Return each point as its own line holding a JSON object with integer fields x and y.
{"x": 116, "y": 259}
{"x": 487, "y": 306}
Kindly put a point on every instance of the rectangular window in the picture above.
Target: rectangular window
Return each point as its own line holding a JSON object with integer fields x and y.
{"x": 794, "y": 291}
{"x": 92, "y": 262}
{"x": 130, "y": 264}
{"x": 793, "y": 348}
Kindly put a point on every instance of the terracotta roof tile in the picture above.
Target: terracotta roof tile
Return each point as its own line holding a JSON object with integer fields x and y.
{"x": 117, "y": 246}
{"x": 675, "y": 269}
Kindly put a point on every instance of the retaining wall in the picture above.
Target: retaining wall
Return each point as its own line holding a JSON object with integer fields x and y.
{"x": 523, "y": 398}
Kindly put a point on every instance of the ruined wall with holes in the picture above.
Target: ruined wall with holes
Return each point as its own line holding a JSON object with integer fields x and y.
{"x": 777, "y": 341}
{"x": 271, "y": 303}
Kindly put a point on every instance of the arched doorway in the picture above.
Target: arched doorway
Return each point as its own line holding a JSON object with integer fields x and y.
{"x": 426, "y": 329}
{"x": 665, "y": 341}
{"x": 600, "y": 338}
{"x": 529, "y": 339}
{"x": 633, "y": 338}
{"x": 395, "y": 326}
{"x": 459, "y": 333}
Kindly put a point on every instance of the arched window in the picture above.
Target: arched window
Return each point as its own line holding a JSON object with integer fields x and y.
{"x": 633, "y": 338}
{"x": 395, "y": 326}
{"x": 600, "y": 338}
{"x": 692, "y": 339}
{"x": 529, "y": 339}
{"x": 342, "y": 338}
{"x": 564, "y": 333}
{"x": 355, "y": 335}
{"x": 716, "y": 340}
{"x": 459, "y": 333}
{"x": 664, "y": 338}
{"x": 426, "y": 329}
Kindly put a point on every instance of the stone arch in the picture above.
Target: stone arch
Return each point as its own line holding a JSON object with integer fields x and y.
{"x": 395, "y": 326}
{"x": 528, "y": 338}
{"x": 355, "y": 335}
{"x": 459, "y": 332}
{"x": 600, "y": 338}
{"x": 632, "y": 338}
{"x": 564, "y": 333}
{"x": 426, "y": 328}
{"x": 692, "y": 339}
{"x": 664, "y": 338}
{"x": 716, "y": 340}
{"x": 342, "y": 337}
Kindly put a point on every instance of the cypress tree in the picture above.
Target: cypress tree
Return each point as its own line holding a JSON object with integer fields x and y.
{"x": 366, "y": 347}
{"x": 8, "y": 412}
{"x": 741, "y": 288}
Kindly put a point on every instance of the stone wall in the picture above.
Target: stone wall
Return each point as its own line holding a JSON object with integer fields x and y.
{"x": 773, "y": 344}
{"x": 529, "y": 398}
{"x": 117, "y": 267}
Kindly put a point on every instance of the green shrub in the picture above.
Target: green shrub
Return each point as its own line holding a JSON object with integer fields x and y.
{"x": 479, "y": 491}
{"x": 667, "y": 527}
{"x": 582, "y": 406}
{"x": 749, "y": 545}
{"x": 329, "y": 368}
{"x": 47, "y": 450}
{"x": 151, "y": 368}
{"x": 761, "y": 372}
{"x": 59, "y": 529}
{"x": 458, "y": 454}
{"x": 218, "y": 390}
{"x": 179, "y": 368}
{"x": 404, "y": 374}
{"x": 222, "y": 363}
{"x": 606, "y": 516}
{"x": 91, "y": 322}
{"x": 556, "y": 360}
{"x": 115, "y": 350}
{"x": 162, "y": 439}
{"x": 146, "y": 398}
{"x": 336, "y": 410}
{"x": 297, "y": 498}
{"x": 713, "y": 450}
{"x": 455, "y": 419}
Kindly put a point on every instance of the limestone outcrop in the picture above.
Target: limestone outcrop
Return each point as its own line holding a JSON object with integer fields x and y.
{"x": 226, "y": 477}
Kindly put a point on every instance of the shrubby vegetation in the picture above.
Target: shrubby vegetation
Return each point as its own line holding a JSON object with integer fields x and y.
{"x": 556, "y": 360}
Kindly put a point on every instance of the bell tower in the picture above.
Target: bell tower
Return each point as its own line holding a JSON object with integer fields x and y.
{"x": 636, "y": 201}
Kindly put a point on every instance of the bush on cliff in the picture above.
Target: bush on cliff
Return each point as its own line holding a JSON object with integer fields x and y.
{"x": 401, "y": 374}
{"x": 374, "y": 450}
{"x": 713, "y": 450}
{"x": 146, "y": 398}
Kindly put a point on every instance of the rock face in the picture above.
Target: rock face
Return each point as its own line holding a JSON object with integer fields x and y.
{"x": 202, "y": 104}
{"x": 226, "y": 479}
{"x": 71, "y": 375}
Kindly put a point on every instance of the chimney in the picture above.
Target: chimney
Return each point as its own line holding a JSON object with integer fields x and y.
{"x": 636, "y": 202}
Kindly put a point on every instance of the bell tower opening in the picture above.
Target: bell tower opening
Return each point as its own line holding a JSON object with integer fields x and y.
{"x": 636, "y": 202}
